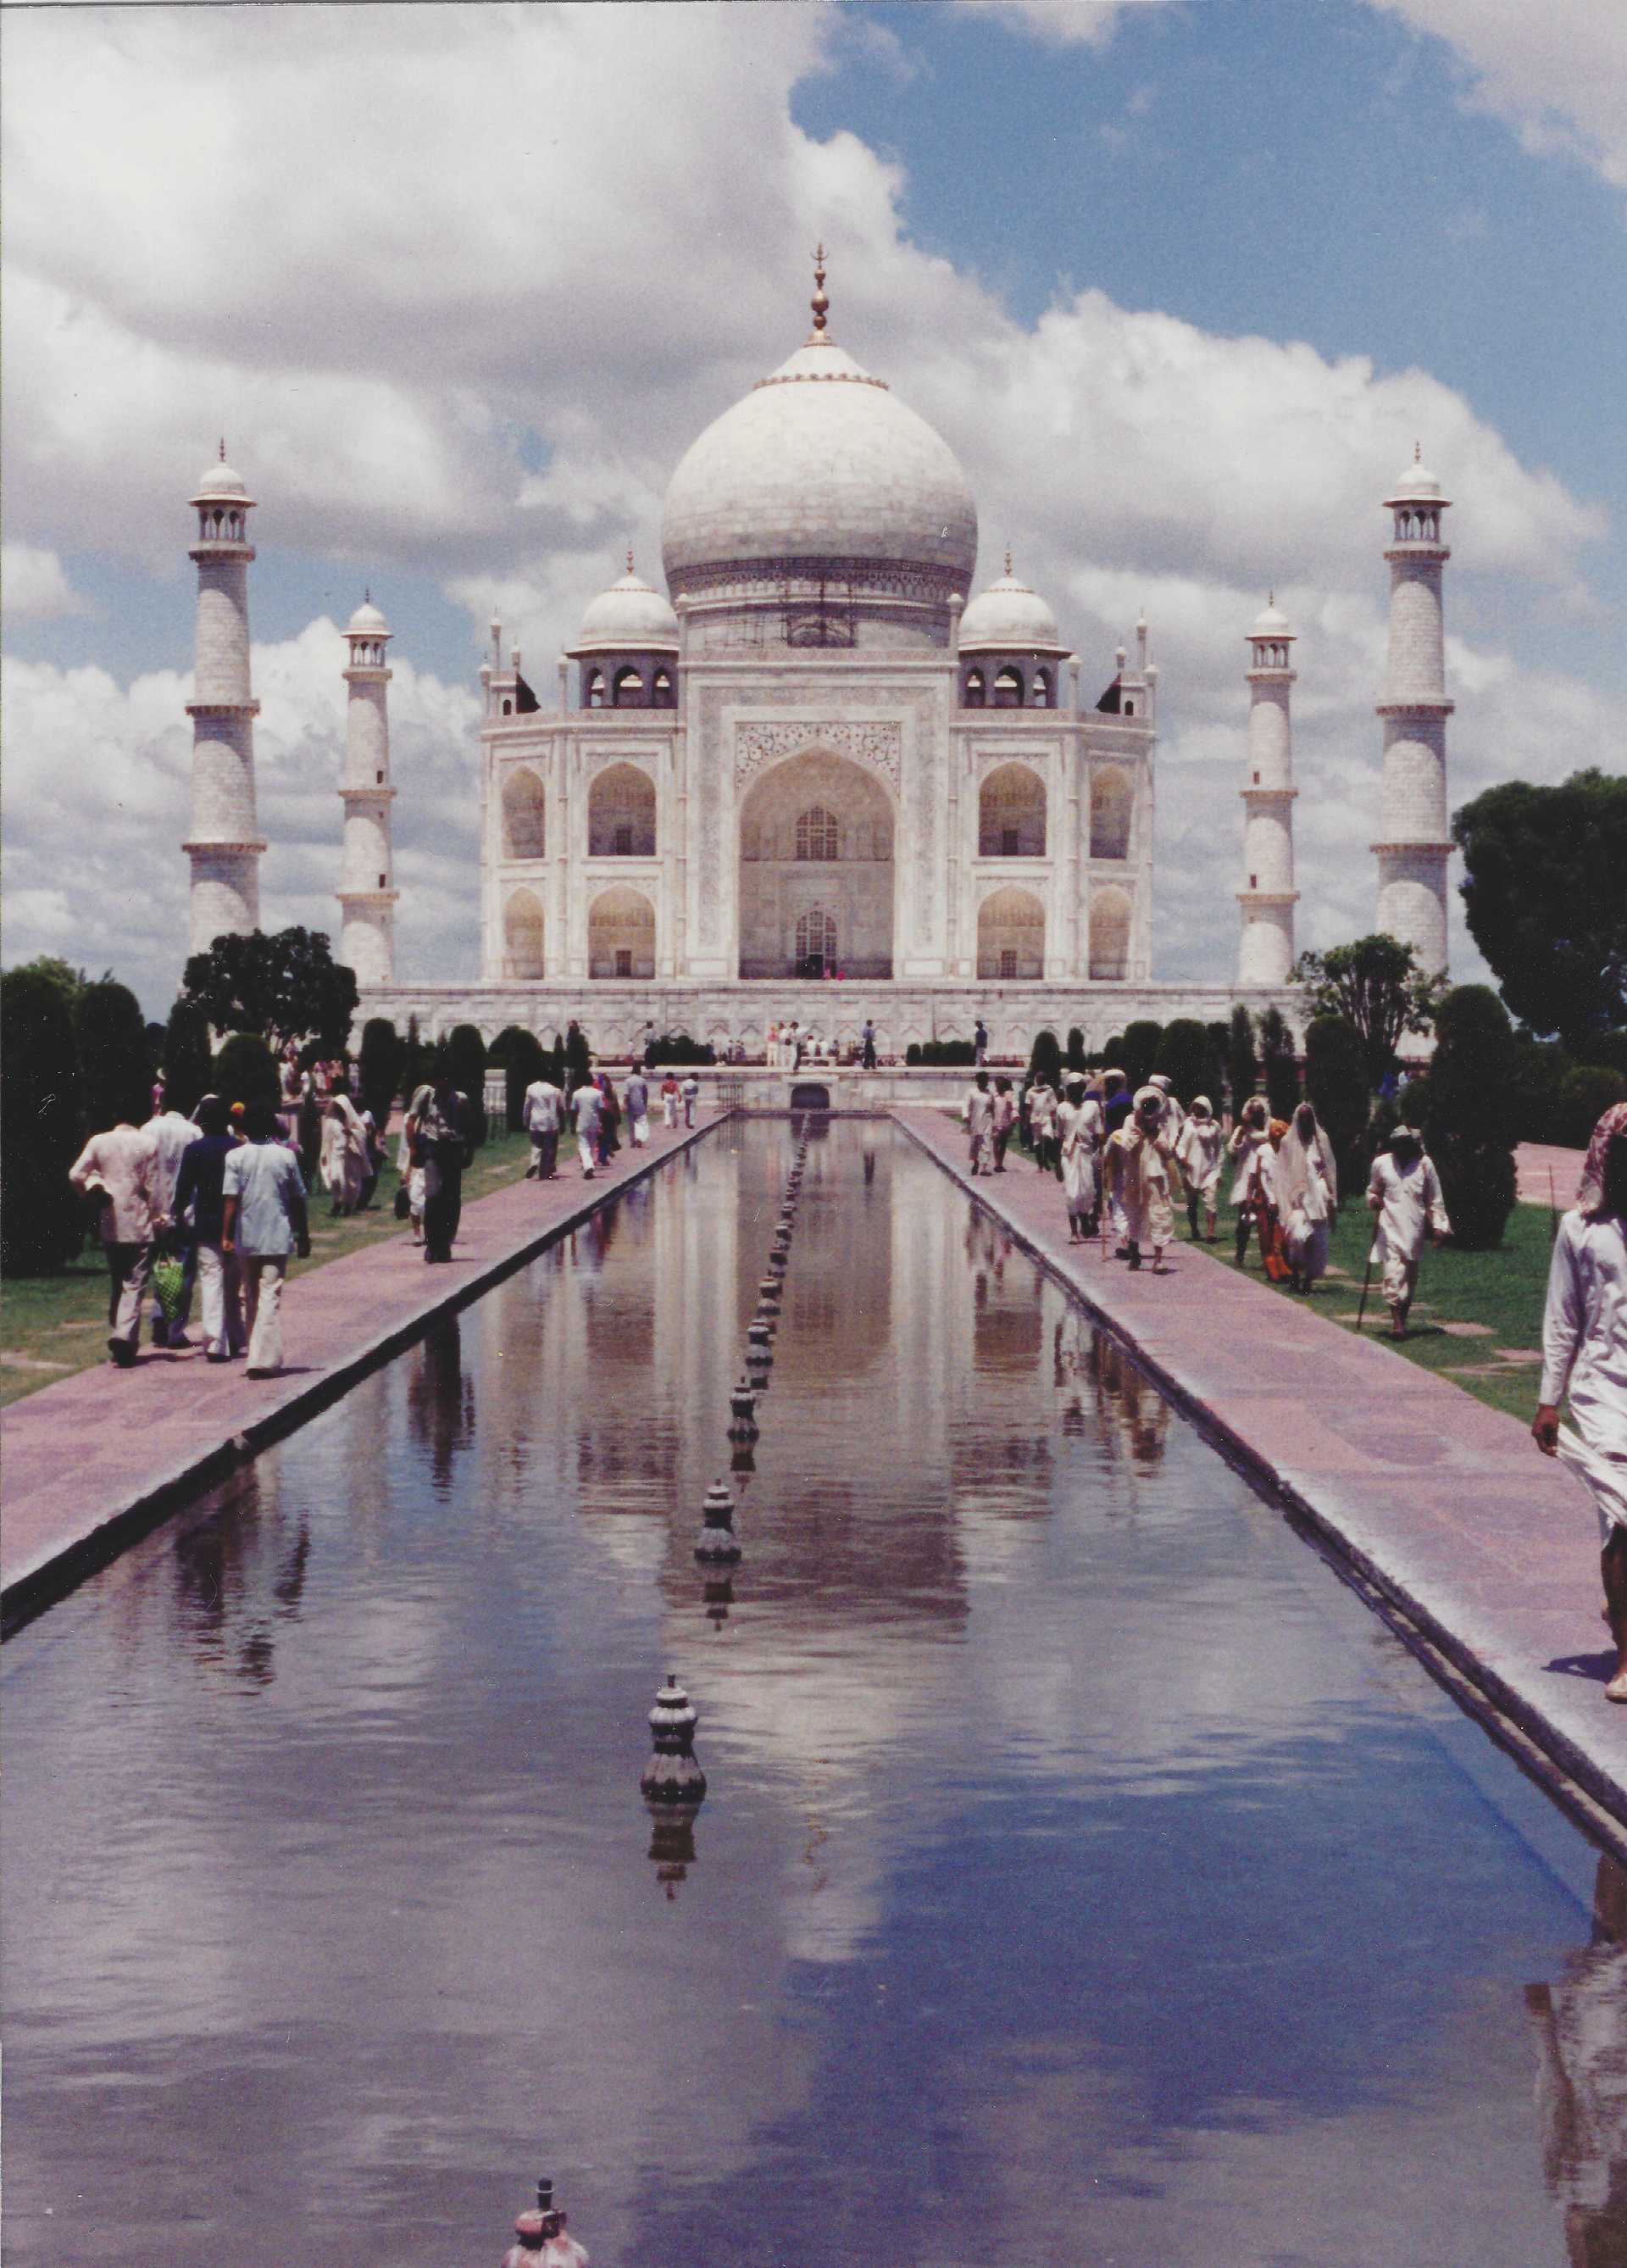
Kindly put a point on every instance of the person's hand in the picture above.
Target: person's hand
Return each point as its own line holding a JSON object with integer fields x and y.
{"x": 1545, "y": 1430}
{"x": 227, "y": 1245}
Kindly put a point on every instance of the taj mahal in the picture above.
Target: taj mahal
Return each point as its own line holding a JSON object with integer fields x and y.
{"x": 823, "y": 775}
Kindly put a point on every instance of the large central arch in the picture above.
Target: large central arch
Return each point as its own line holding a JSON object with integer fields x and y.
{"x": 816, "y": 871}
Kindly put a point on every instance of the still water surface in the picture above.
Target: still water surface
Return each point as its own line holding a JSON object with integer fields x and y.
{"x": 1085, "y": 1876}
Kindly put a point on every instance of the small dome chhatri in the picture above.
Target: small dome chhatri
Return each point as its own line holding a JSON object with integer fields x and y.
{"x": 1008, "y": 616}
{"x": 629, "y": 617}
{"x": 368, "y": 622}
{"x": 1417, "y": 484}
{"x": 221, "y": 480}
{"x": 1271, "y": 621}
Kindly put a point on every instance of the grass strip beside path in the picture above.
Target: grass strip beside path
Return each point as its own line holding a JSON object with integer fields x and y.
{"x": 51, "y": 1326}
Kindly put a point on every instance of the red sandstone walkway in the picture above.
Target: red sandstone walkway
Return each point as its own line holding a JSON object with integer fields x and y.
{"x": 1444, "y": 1504}
{"x": 91, "y": 1460}
{"x": 1547, "y": 1175}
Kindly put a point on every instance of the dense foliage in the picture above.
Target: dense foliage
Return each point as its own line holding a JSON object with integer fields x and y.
{"x": 379, "y": 1064}
{"x": 284, "y": 987}
{"x": 523, "y": 1059}
{"x": 42, "y": 1224}
{"x": 1377, "y": 985}
{"x": 1546, "y": 901}
{"x": 1336, "y": 1083}
{"x": 1045, "y": 1057}
{"x": 116, "y": 1063}
{"x": 1242, "y": 1067}
{"x": 1470, "y": 1113}
{"x": 1140, "y": 1054}
{"x": 246, "y": 1072}
{"x": 185, "y": 1058}
{"x": 1282, "y": 1071}
{"x": 463, "y": 1052}
{"x": 1186, "y": 1057}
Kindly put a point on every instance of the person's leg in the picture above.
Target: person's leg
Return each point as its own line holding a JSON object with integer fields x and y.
{"x": 136, "y": 1272}
{"x": 548, "y": 1157}
{"x": 1613, "y": 1567}
{"x": 1211, "y": 1224}
{"x": 248, "y": 1269}
{"x": 231, "y": 1303}
{"x": 265, "y": 1347}
{"x": 454, "y": 1203}
{"x": 1245, "y": 1222}
{"x": 211, "y": 1265}
{"x": 1192, "y": 1213}
{"x": 586, "y": 1152}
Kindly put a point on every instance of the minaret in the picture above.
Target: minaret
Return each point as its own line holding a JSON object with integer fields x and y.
{"x": 1265, "y": 955}
{"x": 225, "y": 844}
{"x": 1414, "y": 843}
{"x": 367, "y": 891}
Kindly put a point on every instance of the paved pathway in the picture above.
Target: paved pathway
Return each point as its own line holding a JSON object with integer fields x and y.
{"x": 1442, "y": 1503}
{"x": 91, "y": 1462}
{"x": 1546, "y": 1174}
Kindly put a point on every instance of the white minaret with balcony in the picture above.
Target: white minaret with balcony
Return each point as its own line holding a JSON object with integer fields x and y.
{"x": 224, "y": 842}
{"x": 1265, "y": 955}
{"x": 367, "y": 892}
{"x": 1414, "y": 843}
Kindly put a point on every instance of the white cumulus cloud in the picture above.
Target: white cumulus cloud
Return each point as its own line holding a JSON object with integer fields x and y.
{"x": 33, "y": 586}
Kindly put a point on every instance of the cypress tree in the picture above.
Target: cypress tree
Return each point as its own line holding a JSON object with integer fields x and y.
{"x": 1141, "y": 1043}
{"x": 1186, "y": 1057}
{"x": 466, "y": 1059}
{"x": 1242, "y": 1070}
{"x": 380, "y": 1063}
{"x": 115, "y": 1066}
{"x": 187, "y": 1058}
{"x": 1336, "y": 1083}
{"x": 1470, "y": 1112}
{"x": 1282, "y": 1072}
{"x": 41, "y": 1222}
{"x": 246, "y": 1072}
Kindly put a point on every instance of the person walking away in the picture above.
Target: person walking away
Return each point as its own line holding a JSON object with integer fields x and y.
{"x": 1200, "y": 1147}
{"x": 1249, "y": 1136}
{"x": 670, "y": 1099}
{"x": 542, "y": 1115}
{"x": 587, "y": 1108}
{"x": 263, "y": 1222}
{"x": 636, "y": 1103}
{"x": 344, "y": 1152}
{"x": 173, "y": 1135}
{"x": 1140, "y": 1168}
{"x": 372, "y": 1158}
{"x": 1116, "y": 1109}
{"x": 1076, "y": 1135}
{"x": 647, "y": 1053}
{"x": 1404, "y": 1192}
{"x": 980, "y": 1043}
{"x": 120, "y": 1169}
{"x": 609, "y": 1118}
{"x": 979, "y": 1111}
{"x": 691, "y": 1092}
{"x": 1306, "y": 1190}
{"x": 200, "y": 1199}
{"x": 867, "y": 1052}
{"x": 409, "y": 1158}
{"x": 1585, "y": 1360}
{"x": 443, "y": 1134}
{"x": 291, "y": 1088}
{"x": 1042, "y": 1123}
{"x": 1004, "y": 1119}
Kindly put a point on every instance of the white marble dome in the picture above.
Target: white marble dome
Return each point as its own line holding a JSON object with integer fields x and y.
{"x": 1417, "y": 485}
{"x": 367, "y": 621}
{"x": 220, "y": 480}
{"x": 1271, "y": 622}
{"x": 1010, "y": 615}
{"x": 820, "y": 461}
{"x": 629, "y": 617}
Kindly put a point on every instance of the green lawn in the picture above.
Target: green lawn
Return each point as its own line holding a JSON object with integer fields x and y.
{"x": 59, "y": 1323}
{"x": 1501, "y": 1293}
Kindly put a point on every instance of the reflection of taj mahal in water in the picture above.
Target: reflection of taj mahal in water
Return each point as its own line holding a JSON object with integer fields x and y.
{"x": 816, "y": 757}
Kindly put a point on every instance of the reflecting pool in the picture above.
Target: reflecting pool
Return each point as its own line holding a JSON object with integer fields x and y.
{"x": 1085, "y": 1877}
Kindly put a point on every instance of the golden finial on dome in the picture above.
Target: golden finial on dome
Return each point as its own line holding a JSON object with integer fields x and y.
{"x": 1008, "y": 563}
{"x": 820, "y": 304}
{"x": 630, "y": 559}
{"x": 223, "y": 448}
{"x": 1417, "y": 453}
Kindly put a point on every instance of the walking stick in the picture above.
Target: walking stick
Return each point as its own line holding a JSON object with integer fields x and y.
{"x": 1367, "y": 1285}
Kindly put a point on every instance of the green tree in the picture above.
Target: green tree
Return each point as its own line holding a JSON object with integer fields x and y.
{"x": 68, "y": 980}
{"x": 284, "y": 987}
{"x": 1140, "y": 1054}
{"x": 578, "y": 1058}
{"x": 1045, "y": 1057}
{"x": 1586, "y": 1094}
{"x": 1186, "y": 1057}
{"x": 245, "y": 1072}
{"x": 1242, "y": 1069}
{"x": 1541, "y": 1069}
{"x": 1546, "y": 903}
{"x": 380, "y": 1063}
{"x": 1377, "y": 985}
{"x": 1282, "y": 1071}
{"x": 42, "y": 1224}
{"x": 521, "y": 1056}
{"x": 1113, "y": 1052}
{"x": 1469, "y": 1113}
{"x": 1076, "y": 1048}
{"x": 1335, "y": 1082}
{"x": 115, "y": 1066}
{"x": 185, "y": 1058}
{"x": 466, "y": 1060}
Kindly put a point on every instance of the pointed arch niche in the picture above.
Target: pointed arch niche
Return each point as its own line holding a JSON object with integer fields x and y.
{"x": 522, "y": 935}
{"x": 621, "y": 813}
{"x": 525, "y": 834}
{"x": 1110, "y": 804}
{"x": 1109, "y": 936}
{"x": 816, "y": 838}
{"x": 1010, "y": 814}
{"x": 620, "y": 934}
{"x": 1010, "y": 935}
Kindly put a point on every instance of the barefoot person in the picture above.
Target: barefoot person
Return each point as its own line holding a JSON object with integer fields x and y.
{"x": 1140, "y": 1167}
{"x": 1585, "y": 1360}
{"x": 1404, "y": 1192}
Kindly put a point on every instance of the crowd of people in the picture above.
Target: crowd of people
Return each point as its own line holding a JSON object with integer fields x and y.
{"x": 597, "y": 1114}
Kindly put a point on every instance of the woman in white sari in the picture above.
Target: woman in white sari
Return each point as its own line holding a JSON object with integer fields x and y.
{"x": 344, "y": 1160}
{"x": 1251, "y": 1146}
{"x": 1307, "y": 1196}
{"x": 1079, "y": 1126}
{"x": 1200, "y": 1146}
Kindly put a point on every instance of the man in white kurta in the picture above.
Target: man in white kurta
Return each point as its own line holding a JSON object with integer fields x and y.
{"x": 1585, "y": 1360}
{"x": 1078, "y": 1133}
{"x": 1139, "y": 1164}
{"x": 1403, "y": 1192}
{"x": 979, "y": 1109}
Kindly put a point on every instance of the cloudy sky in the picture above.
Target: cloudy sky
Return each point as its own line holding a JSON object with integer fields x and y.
{"x": 1181, "y": 281}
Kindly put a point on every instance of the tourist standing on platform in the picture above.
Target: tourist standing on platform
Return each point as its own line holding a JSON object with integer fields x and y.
{"x": 200, "y": 1193}
{"x": 979, "y": 1110}
{"x": 542, "y": 1115}
{"x": 443, "y": 1137}
{"x": 1078, "y": 1124}
{"x": 867, "y": 1049}
{"x": 172, "y": 1136}
{"x": 263, "y": 1222}
{"x": 1200, "y": 1147}
{"x": 646, "y": 1054}
{"x": 587, "y": 1108}
{"x": 119, "y": 1169}
{"x": 691, "y": 1092}
{"x": 636, "y": 1103}
{"x": 1404, "y": 1192}
{"x": 1250, "y": 1144}
{"x": 980, "y": 1043}
{"x": 1140, "y": 1167}
{"x": 1585, "y": 1360}
{"x": 1004, "y": 1119}
{"x": 1307, "y": 1188}
{"x": 670, "y": 1096}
